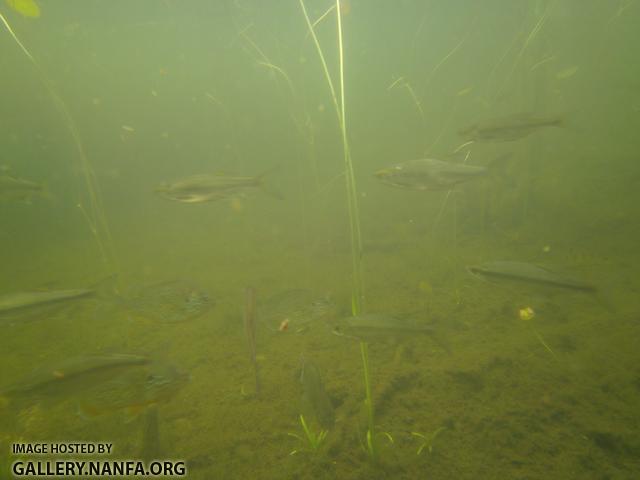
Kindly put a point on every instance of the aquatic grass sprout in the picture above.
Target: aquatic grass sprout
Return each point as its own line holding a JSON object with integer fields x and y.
{"x": 370, "y": 445}
{"x": 311, "y": 439}
{"x": 427, "y": 440}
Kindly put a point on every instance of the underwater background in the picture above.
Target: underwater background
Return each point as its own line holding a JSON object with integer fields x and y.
{"x": 105, "y": 104}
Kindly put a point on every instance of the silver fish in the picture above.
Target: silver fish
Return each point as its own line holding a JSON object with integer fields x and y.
{"x": 509, "y": 128}
{"x": 428, "y": 174}
{"x": 528, "y": 273}
{"x": 19, "y": 189}
{"x": 208, "y": 188}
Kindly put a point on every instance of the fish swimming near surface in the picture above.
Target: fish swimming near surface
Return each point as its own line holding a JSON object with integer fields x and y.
{"x": 12, "y": 188}
{"x": 429, "y": 174}
{"x": 98, "y": 383}
{"x": 211, "y": 187}
{"x": 315, "y": 400}
{"x": 528, "y": 273}
{"x": 506, "y": 129}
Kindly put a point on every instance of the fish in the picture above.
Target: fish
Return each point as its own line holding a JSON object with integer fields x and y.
{"x": 134, "y": 390}
{"x": 295, "y": 309}
{"x": 172, "y": 301}
{"x": 211, "y": 187}
{"x": 429, "y": 174}
{"x": 98, "y": 383}
{"x": 528, "y": 273}
{"x": 506, "y": 129}
{"x": 12, "y": 188}
{"x": 67, "y": 377}
{"x": 314, "y": 396}
{"x": 19, "y": 303}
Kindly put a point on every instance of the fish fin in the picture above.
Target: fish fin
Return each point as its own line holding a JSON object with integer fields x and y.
{"x": 272, "y": 192}
{"x": 558, "y": 120}
{"x": 260, "y": 177}
{"x": 500, "y": 161}
{"x": 45, "y": 192}
{"x": 162, "y": 188}
{"x": 107, "y": 287}
{"x": 603, "y": 299}
{"x": 260, "y": 181}
{"x": 497, "y": 167}
{"x": 476, "y": 272}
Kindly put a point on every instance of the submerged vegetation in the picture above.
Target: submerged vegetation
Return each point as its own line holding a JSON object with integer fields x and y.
{"x": 490, "y": 294}
{"x": 312, "y": 440}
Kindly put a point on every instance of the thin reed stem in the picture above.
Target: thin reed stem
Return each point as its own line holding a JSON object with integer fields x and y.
{"x": 352, "y": 199}
{"x": 352, "y": 193}
{"x": 371, "y": 444}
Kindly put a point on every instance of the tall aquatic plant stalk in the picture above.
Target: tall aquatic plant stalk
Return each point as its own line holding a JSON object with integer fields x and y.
{"x": 357, "y": 294}
{"x": 352, "y": 193}
{"x": 370, "y": 440}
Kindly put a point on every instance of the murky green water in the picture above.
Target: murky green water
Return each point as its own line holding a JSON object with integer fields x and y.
{"x": 122, "y": 97}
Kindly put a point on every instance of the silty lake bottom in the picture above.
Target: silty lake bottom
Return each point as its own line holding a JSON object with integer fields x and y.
{"x": 191, "y": 262}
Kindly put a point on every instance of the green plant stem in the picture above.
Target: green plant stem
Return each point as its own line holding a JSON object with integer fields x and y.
{"x": 352, "y": 193}
{"x": 371, "y": 444}
{"x": 357, "y": 294}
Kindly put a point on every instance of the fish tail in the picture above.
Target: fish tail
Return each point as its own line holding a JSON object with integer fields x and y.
{"x": 269, "y": 190}
{"x": 603, "y": 299}
{"x": 557, "y": 120}
{"x": 45, "y": 192}
{"x": 500, "y": 161}
{"x": 163, "y": 187}
{"x": 107, "y": 288}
